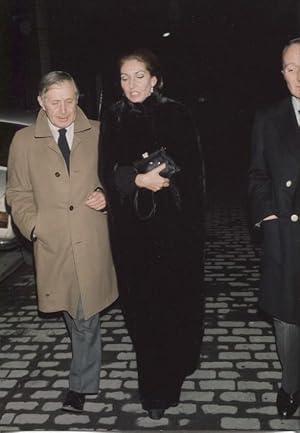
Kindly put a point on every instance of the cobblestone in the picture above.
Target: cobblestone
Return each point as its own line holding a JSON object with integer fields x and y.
{"x": 234, "y": 386}
{"x": 240, "y": 423}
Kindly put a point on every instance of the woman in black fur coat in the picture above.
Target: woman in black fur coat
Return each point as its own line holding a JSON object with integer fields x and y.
{"x": 156, "y": 227}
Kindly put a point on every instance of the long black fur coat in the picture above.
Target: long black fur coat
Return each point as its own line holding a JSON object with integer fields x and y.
{"x": 159, "y": 261}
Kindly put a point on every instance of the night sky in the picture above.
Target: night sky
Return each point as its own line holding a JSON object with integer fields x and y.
{"x": 222, "y": 57}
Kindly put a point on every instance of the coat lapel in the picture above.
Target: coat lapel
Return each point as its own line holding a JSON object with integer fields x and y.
{"x": 42, "y": 129}
{"x": 75, "y": 144}
{"x": 82, "y": 123}
{"x": 288, "y": 128}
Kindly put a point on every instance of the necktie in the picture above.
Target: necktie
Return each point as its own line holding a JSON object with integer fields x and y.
{"x": 63, "y": 145}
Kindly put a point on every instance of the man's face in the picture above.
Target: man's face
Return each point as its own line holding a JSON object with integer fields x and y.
{"x": 59, "y": 103}
{"x": 291, "y": 69}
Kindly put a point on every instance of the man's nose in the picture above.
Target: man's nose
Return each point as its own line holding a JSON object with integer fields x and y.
{"x": 62, "y": 107}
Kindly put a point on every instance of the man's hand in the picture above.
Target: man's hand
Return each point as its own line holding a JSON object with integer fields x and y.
{"x": 96, "y": 200}
{"x": 152, "y": 180}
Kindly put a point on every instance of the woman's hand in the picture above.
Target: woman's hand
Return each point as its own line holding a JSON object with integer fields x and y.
{"x": 96, "y": 200}
{"x": 152, "y": 180}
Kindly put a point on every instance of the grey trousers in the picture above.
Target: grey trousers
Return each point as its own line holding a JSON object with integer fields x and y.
{"x": 86, "y": 352}
{"x": 287, "y": 337}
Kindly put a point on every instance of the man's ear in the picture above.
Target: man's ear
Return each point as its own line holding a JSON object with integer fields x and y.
{"x": 40, "y": 101}
{"x": 153, "y": 81}
{"x": 283, "y": 74}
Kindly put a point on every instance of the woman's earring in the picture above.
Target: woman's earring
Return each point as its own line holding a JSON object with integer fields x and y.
{"x": 152, "y": 89}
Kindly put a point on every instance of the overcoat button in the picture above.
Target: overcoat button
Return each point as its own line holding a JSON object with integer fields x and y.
{"x": 57, "y": 174}
{"x": 294, "y": 218}
{"x": 288, "y": 183}
{"x": 71, "y": 207}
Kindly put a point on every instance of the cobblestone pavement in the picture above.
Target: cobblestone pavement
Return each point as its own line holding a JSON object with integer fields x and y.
{"x": 234, "y": 387}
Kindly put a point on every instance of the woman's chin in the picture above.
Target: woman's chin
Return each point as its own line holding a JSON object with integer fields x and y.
{"x": 136, "y": 99}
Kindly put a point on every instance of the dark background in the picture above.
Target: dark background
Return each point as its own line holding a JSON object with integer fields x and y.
{"x": 222, "y": 59}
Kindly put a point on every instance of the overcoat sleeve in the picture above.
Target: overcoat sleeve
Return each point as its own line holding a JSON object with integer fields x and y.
{"x": 188, "y": 155}
{"x": 260, "y": 182}
{"x": 116, "y": 177}
{"x": 19, "y": 193}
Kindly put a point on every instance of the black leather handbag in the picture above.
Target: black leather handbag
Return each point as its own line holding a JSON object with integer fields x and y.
{"x": 148, "y": 163}
{"x": 160, "y": 156}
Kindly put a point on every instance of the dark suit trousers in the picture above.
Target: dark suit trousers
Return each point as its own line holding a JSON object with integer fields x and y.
{"x": 86, "y": 352}
{"x": 287, "y": 337}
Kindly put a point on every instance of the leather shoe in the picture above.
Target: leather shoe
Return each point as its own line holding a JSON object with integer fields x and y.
{"x": 287, "y": 404}
{"x": 156, "y": 413}
{"x": 74, "y": 401}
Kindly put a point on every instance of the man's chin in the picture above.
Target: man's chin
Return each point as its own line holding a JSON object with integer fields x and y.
{"x": 62, "y": 124}
{"x": 296, "y": 93}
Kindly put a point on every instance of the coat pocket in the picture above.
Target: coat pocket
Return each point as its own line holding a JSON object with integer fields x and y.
{"x": 271, "y": 241}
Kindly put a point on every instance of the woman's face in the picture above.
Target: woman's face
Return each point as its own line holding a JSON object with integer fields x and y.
{"x": 136, "y": 81}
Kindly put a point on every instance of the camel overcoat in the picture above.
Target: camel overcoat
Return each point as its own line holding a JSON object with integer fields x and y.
{"x": 72, "y": 251}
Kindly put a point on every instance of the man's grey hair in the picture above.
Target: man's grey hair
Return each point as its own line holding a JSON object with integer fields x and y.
{"x": 288, "y": 44}
{"x": 55, "y": 77}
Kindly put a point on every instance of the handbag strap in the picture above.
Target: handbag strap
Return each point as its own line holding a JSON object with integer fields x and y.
{"x": 151, "y": 213}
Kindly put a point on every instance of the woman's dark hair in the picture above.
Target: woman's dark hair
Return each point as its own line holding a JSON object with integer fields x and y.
{"x": 149, "y": 59}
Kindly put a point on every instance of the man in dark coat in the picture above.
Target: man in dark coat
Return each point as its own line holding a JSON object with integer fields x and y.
{"x": 275, "y": 198}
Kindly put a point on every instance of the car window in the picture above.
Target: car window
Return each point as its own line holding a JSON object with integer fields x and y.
{"x": 7, "y": 131}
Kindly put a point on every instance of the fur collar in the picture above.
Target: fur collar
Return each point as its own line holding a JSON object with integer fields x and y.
{"x": 145, "y": 107}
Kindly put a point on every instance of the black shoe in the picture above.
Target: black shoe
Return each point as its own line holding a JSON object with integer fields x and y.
{"x": 156, "y": 413}
{"x": 74, "y": 402}
{"x": 287, "y": 404}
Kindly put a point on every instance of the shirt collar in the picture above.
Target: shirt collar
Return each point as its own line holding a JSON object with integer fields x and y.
{"x": 296, "y": 104}
{"x": 54, "y": 131}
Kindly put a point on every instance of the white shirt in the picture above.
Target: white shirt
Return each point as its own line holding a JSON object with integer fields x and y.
{"x": 296, "y": 105}
{"x": 69, "y": 134}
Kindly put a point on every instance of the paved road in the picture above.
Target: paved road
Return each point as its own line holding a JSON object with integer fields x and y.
{"x": 234, "y": 387}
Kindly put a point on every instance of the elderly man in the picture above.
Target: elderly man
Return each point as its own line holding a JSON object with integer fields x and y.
{"x": 275, "y": 195}
{"x": 57, "y": 201}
